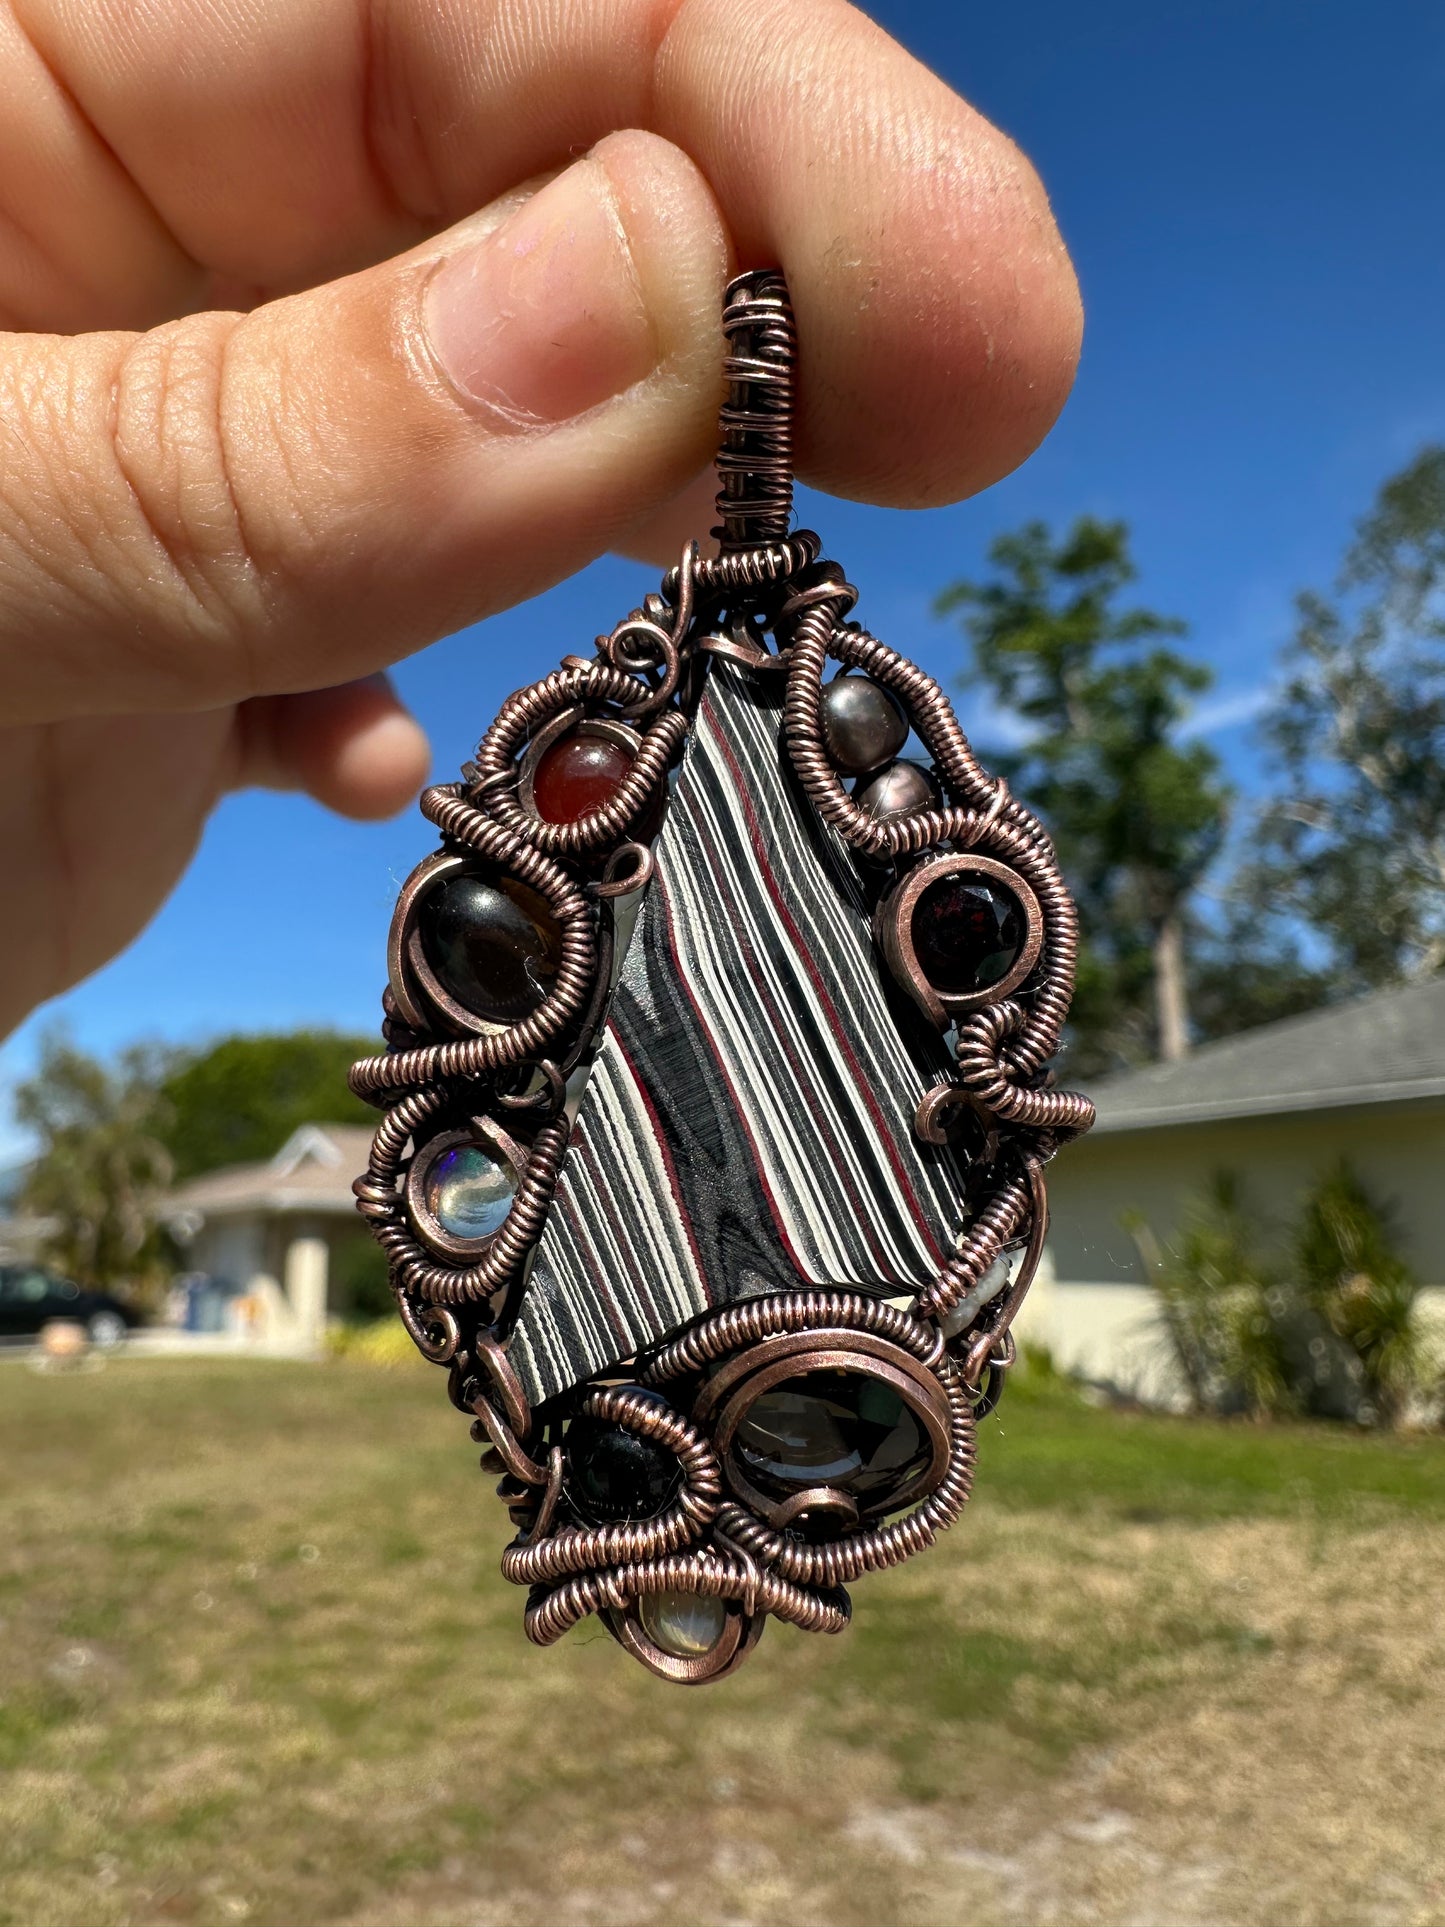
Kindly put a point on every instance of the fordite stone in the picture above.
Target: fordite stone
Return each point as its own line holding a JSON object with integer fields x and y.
{"x": 967, "y": 933}
{"x": 469, "y": 1192}
{"x": 493, "y": 943}
{"x": 614, "y": 1474}
{"x": 576, "y": 775}
{"x": 832, "y": 1428}
{"x": 863, "y": 724}
{"x": 748, "y": 1122}
{"x": 902, "y": 787}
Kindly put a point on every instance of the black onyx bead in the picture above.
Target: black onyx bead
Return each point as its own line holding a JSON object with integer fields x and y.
{"x": 967, "y": 933}
{"x": 863, "y": 724}
{"x": 493, "y": 945}
{"x": 842, "y": 1429}
{"x": 897, "y": 790}
{"x": 613, "y": 1475}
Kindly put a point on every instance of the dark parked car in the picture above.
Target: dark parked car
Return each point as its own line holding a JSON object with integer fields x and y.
{"x": 30, "y": 1298}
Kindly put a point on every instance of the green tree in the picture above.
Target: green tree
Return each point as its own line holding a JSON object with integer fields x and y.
{"x": 1353, "y": 844}
{"x": 102, "y": 1164}
{"x": 239, "y": 1099}
{"x": 1138, "y": 813}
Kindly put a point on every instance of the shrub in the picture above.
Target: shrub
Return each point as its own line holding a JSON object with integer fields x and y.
{"x": 386, "y": 1342}
{"x": 1328, "y": 1330}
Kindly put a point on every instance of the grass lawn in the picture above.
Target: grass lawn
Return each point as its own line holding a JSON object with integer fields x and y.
{"x": 257, "y": 1664}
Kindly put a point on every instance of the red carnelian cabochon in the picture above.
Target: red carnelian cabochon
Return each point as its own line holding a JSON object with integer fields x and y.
{"x": 577, "y": 774}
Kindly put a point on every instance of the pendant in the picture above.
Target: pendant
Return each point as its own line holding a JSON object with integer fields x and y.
{"x": 716, "y": 1101}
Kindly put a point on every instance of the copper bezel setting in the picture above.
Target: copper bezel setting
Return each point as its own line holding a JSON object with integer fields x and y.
{"x": 481, "y": 1134}
{"x": 725, "y": 1398}
{"x": 893, "y": 924}
{"x": 568, "y": 722}
{"x": 741, "y": 1632}
{"x": 407, "y": 967}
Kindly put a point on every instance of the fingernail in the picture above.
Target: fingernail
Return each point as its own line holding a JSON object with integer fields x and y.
{"x": 544, "y": 319}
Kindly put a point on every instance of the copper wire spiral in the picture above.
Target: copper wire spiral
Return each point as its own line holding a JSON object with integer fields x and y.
{"x": 417, "y": 1271}
{"x": 474, "y": 1057}
{"x": 992, "y": 1231}
{"x": 737, "y": 1329}
{"x": 521, "y": 715}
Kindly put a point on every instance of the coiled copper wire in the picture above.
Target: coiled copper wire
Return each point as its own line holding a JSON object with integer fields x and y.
{"x": 523, "y": 713}
{"x": 473, "y": 1057}
{"x": 739, "y": 572}
{"x": 737, "y": 1327}
{"x": 573, "y": 1549}
{"x": 716, "y": 1573}
{"x": 994, "y": 1228}
{"x": 755, "y": 455}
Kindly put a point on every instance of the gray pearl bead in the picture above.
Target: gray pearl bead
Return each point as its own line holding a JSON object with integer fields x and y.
{"x": 863, "y": 724}
{"x": 895, "y": 791}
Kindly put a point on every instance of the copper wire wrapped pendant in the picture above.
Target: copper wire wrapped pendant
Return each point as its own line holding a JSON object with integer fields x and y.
{"x": 716, "y": 1101}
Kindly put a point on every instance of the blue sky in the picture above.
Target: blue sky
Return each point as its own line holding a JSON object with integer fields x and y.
{"x": 1253, "y": 192}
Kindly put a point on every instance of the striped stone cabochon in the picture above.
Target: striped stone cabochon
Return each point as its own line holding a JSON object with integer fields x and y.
{"x": 747, "y": 1125}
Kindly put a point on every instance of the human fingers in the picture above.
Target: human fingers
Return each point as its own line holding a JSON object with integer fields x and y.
{"x": 278, "y": 145}
{"x": 234, "y": 506}
{"x": 354, "y": 747}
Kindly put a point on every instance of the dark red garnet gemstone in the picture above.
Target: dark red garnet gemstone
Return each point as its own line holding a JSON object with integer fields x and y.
{"x": 577, "y": 774}
{"x": 967, "y": 933}
{"x": 494, "y": 945}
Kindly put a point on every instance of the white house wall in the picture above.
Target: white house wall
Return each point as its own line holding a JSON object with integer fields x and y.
{"x": 1091, "y": 1304}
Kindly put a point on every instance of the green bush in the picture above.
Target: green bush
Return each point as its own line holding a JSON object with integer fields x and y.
{"x": 384, "y": 1342}
{"x": 1327, "y": 1327}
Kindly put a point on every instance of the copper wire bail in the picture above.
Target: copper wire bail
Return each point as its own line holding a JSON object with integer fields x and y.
{"x": 755, "y": 451}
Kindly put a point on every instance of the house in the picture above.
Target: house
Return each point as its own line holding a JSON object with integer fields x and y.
{"x": 269, "y": 1232}
{"x": 1278, "y": 1106}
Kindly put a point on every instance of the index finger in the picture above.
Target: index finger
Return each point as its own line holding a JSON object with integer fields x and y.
{"x": 937, "y": 310}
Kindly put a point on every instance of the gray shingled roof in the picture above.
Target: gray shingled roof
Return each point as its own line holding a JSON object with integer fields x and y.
{"x": 311, "y": 1172}
{"x": 1383, "y": 1049}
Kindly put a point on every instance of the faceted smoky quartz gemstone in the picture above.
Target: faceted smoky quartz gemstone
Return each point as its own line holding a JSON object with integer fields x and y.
{"x": 901, "y": 787}
{"x": 685, "y": 1624}
{"x": 614, "y": 1474}
{"x": 494, "y": 945}
{"x": 967, "y": 933}
{"x": 576, "y": 775}
{"x": 843, "y": 1429}
{"x": 469, "y": 1192}
{"x": 863, "y": 724}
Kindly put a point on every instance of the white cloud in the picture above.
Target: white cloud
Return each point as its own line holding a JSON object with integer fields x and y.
{"x": 1229, "y": 709}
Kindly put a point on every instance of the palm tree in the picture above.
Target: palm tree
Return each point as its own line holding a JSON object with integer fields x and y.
{"x": 101, "y": 1167}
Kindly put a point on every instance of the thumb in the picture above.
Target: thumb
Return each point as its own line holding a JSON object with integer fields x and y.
{"x": 234, "y": 506}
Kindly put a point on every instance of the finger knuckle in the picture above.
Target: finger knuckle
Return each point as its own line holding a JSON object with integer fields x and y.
{"x": 172, "y": 451}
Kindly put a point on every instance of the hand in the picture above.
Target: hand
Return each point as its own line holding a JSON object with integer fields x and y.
{"x": 336, "y": 412}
